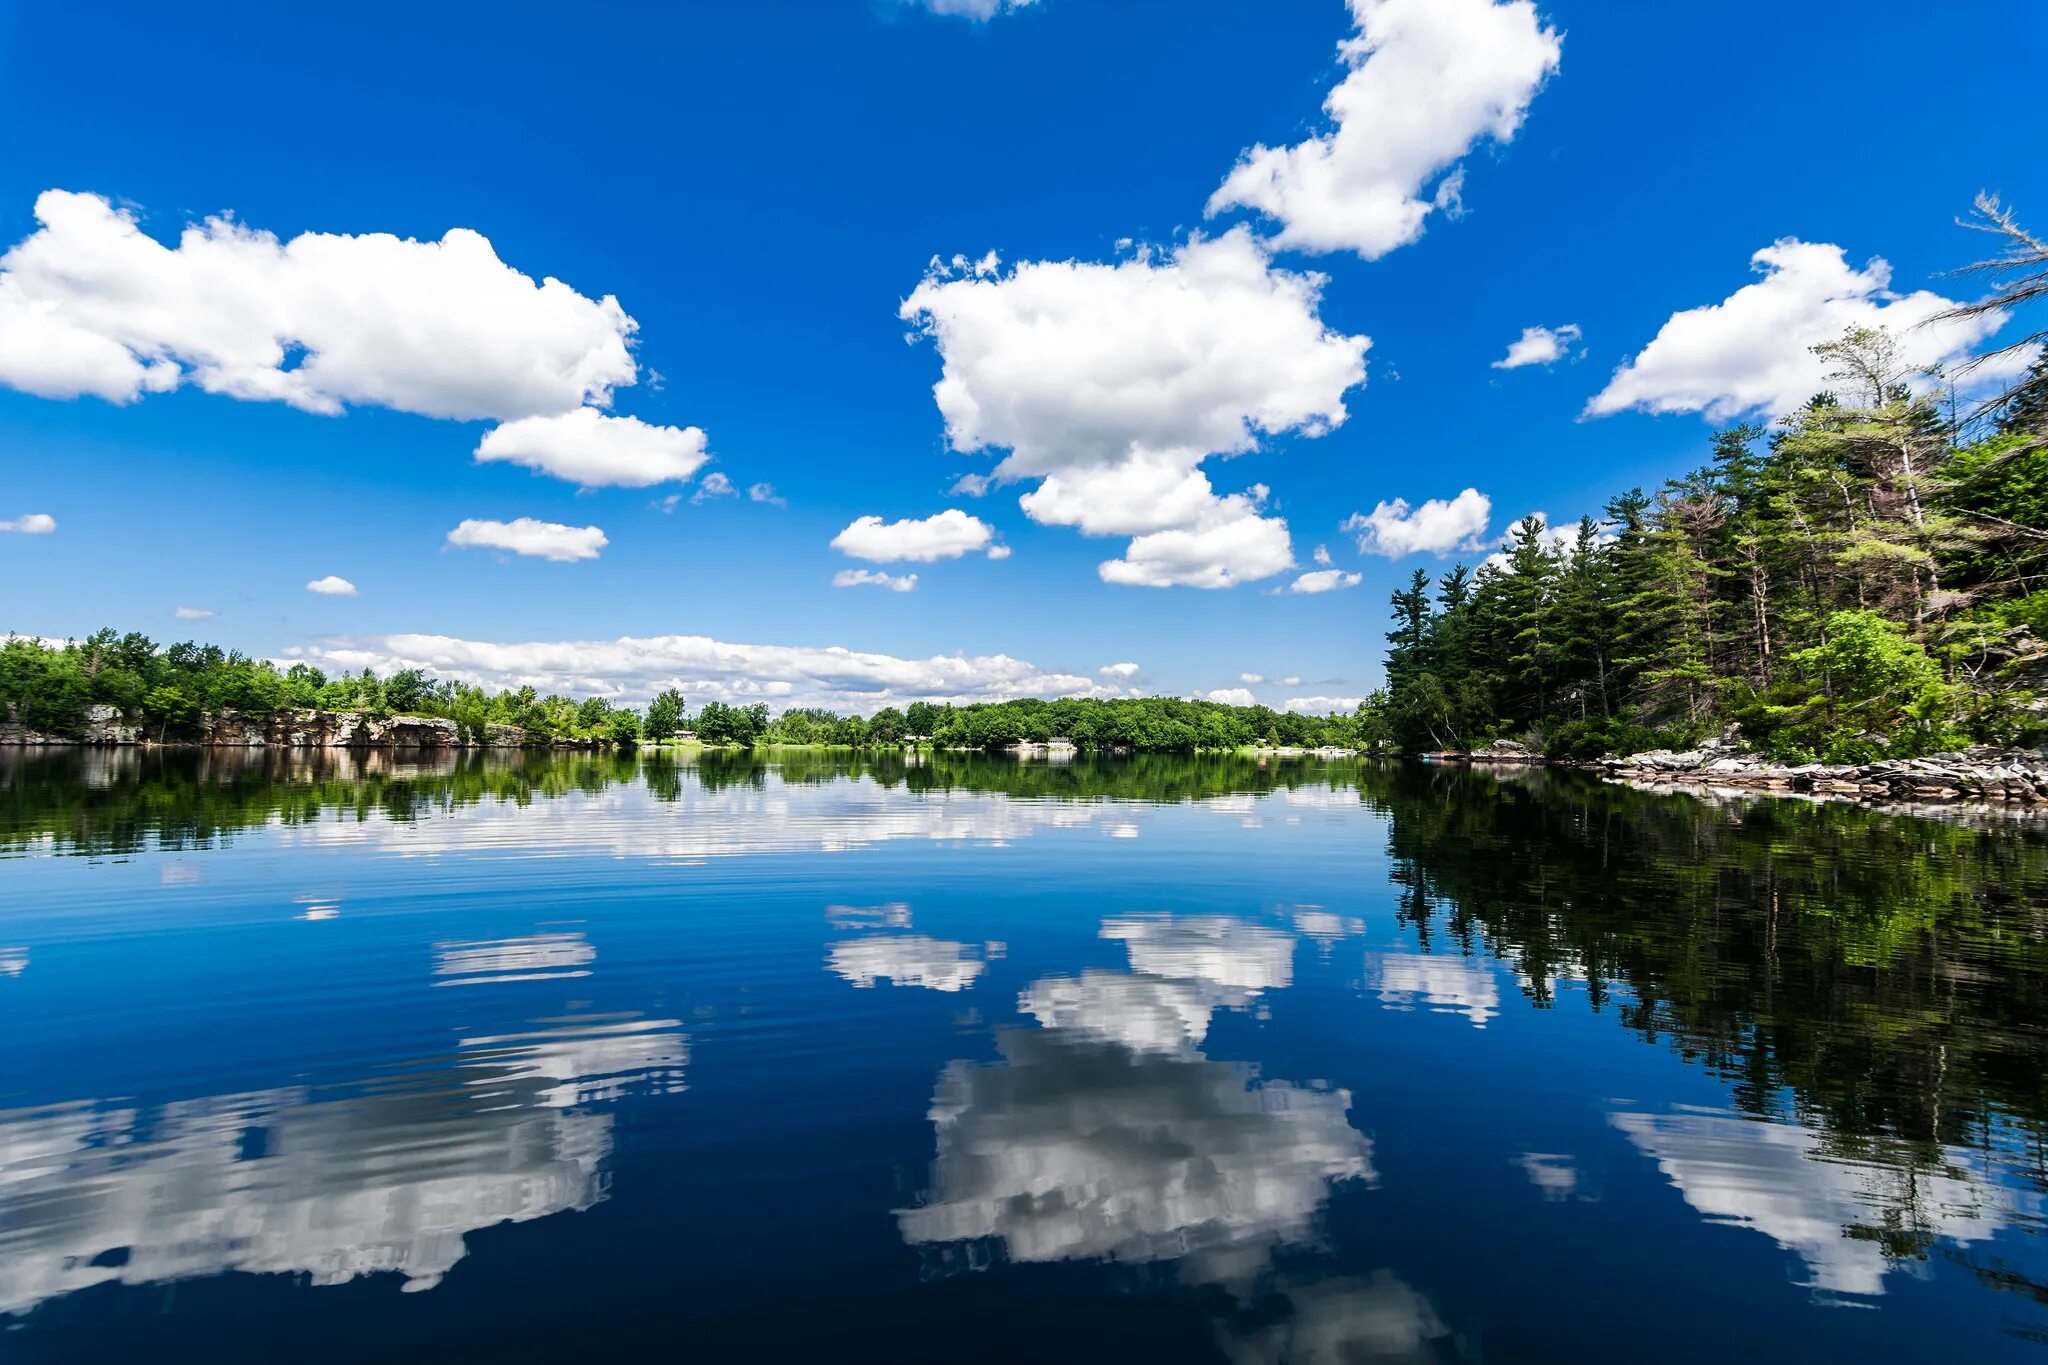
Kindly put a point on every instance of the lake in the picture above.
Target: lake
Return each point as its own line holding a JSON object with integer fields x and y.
{"x": 610, "y": 1057}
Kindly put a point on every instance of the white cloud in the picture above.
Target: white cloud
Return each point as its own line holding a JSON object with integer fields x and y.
{"x": 944, "y": 535}
{"x": 971, "y": 485}
{"x": 1252, "y": 678}
{"x": 1322, "y": 556}
{"x": 1231, "y": 696}
{"x": 90, "y": 304}
{"x": 1321, "y": 706}
{"x": 1237, "y": 547}
{"x": 634, "y": 668}
{"x": 855, "y": 578}
{"x": 980, "y": 10}
{"x": 1111, "y": 384}
{"x": 1437, "y": 527}
{"x": 714, "y": 485}
{"x": 1290, "y": 682}
{"x": 195, "y": 613}
{"x": 765, "y": 492}
{"x": 1540, "y": 346}
{"x": 1559, "y": 539}
{"x": 526, "y": 536}
{"x": 1752, "y": 352}
{"x": 589, "y": 448}
{"x": 1123, "y": 671}
{"x": 1324, "y": 580}
{"x": 1427, "y": 80}
{"x": 334, "y": 585}
{"x": 33, "y": 524}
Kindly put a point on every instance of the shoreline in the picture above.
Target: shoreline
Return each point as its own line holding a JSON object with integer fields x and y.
{"x": 1981, "y": 776}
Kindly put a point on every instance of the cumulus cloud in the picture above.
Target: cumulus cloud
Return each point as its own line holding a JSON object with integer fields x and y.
{"x": 1322, "y": 706}
{"x": 943, "y": 535}
{"x": 1111, "y": 384}
{"x": 334, "y": 585}
{"x": 1437, "y": 527}
{"x": 526, "y": 536}
{"x": 1252, "y": 678}
{"x": 1231, "y": 696}
{"x": 195, "y": 613}
{"x": 714, "y": 485}
{"x": 588, "y": 447}
{"x": 33, "y": 524}
{"x": 1324, "y": 580}
{"x": 634, "y": 668}
{"x": 1540, "y": 346}
{"x": 765, "y": 492}
{"x": 91, "y": 305}
{"x": 1123, "y": 671}
{"x": 857, "y": 578}
{"x": 1752, "y": 352}
{"x": 1427, "y": 80}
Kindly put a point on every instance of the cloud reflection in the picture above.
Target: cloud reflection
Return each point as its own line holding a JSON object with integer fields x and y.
{"x": 329, "y": 1184}
{"x": 907, "y": 960}
{"x": 1073, "y": 1148}
{"x": 1837, "y": 1215}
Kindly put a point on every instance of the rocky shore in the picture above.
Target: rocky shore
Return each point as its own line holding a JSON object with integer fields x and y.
{"x": 2005, "y": 776}
{"x": 296, "y": 729}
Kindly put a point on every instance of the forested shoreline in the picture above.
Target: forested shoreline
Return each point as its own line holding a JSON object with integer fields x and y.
{"x": 1866, "y": 578}
{"x": 167, "y": 693}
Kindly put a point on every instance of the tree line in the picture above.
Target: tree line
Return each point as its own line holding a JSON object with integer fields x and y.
{"x": 1867, "y": 577}
{"x": 50, "y": 688}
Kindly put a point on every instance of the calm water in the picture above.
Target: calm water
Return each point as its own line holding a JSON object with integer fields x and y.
{"x": 613, "y": 1059}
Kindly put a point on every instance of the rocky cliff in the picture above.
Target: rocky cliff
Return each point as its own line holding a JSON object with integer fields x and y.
{"x": 293, "y": 729}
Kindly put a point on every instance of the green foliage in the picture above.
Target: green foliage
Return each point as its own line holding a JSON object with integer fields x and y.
{"x": 1867, "y": 580}
{"x": 664, "y": 715}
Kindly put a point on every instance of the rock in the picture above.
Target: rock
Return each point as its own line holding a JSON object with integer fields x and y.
{"x": 1505, "y": 751}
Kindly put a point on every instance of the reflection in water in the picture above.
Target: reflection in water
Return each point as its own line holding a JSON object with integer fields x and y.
{"x": 1556, "y": 1176}
{"x": 1106, "y": 1134}
{"x": 1142, "y": 1013}
{"x": 1863, "y": 992}
{"x": 1846, "y": 1220}
{"x": 894, "y": 915}
{"x": 1455, "y": 985}
{"x": 1324, "y": 929}
{"x": 1077, "y": 1149}
{"x": 907, "y": 960}
{"x": 1212, "y": 948}
{"x": 537, "y": 957}
{"x": 326, "y": 1184}
{"x": 1343, "y": 1320}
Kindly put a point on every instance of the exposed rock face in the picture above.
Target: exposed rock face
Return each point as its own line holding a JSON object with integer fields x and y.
{"x": 2018, "y": 776}
{"x": 504, "y": 737}
{"x": 1505, "y": 751}
{"x": 289, "y": 729}
{"x": 327, "y": 730}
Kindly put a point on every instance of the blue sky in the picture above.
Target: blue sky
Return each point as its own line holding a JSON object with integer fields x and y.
{"x": 762, "y": 186}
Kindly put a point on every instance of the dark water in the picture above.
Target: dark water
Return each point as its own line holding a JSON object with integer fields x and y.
{"x": 610, "y": 1059}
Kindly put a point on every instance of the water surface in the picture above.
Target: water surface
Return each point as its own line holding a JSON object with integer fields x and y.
{"x": 611, "y": 1058}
